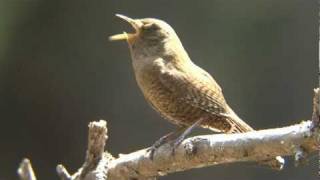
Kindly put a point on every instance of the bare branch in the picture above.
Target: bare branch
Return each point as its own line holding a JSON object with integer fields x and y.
{"x": 96, "y": 142}
{"x": 96, "y": 159}
{"x": 25, "y": 170}
{"x": 297, "y": 140}
{"x": 202, "y": 151}
{"x": 63, "y": 173}
{"x": 316, "y": 107}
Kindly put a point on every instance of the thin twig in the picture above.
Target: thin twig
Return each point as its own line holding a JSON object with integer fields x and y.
{"x": 25, "y": 170}
{"x": 63, "y": 173}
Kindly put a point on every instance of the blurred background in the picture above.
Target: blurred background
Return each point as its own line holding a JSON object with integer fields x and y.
{"x": 58, "y": 72}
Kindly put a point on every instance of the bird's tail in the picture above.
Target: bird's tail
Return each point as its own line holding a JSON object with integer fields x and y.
{"x": 239, "y": 126}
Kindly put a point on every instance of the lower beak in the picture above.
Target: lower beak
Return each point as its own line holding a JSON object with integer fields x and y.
{"x": 136, "y": 24}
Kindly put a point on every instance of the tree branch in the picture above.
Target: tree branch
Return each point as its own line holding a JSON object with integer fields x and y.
{"x": 25, "y": 170}
{"x": 202, "y": 151}
{"x": 298, "y": 140}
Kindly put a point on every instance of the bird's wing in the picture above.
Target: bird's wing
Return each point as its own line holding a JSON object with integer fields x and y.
{"x": 196, "y": 88}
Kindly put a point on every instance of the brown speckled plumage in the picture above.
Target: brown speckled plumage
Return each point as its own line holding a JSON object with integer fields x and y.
{"x": 173, "y": 85}
{"x": 183, "y": 95}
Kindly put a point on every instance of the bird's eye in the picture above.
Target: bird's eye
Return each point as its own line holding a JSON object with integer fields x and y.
{"x": 150, "y": 26}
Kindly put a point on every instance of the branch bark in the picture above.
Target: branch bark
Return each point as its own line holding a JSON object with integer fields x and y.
{"x": 297, "y": 140}
{"x": 202, "y": 151}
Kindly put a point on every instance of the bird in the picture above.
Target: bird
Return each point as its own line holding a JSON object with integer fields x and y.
{"x": 180, "y": 91}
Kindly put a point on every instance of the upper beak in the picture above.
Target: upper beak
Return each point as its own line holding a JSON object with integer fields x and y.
{"x": 136, "y": 24}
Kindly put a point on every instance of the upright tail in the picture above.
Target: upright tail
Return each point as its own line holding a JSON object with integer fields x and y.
{"x": 239, "y": 126}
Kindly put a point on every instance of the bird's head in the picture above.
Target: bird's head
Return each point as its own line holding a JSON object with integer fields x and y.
{"x": 150, "y": 35}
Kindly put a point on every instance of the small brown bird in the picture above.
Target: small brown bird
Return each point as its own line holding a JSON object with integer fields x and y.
{"x": 179, "y": 90}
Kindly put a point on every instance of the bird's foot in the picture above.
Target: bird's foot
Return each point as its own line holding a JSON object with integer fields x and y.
{"x": 151, "y": 151}
{"x": 174, "y": 138}
{"x": 185, "y": 132}
{"x": 176, "y": 144}
{"x": 160, "y": 142}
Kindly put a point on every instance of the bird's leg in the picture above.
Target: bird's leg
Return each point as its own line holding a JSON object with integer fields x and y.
{"x": 175, "y": 138}
{"x": 185, "y": 132}
{"x": 172, "y": 136}
{"x": 163, "y": 139}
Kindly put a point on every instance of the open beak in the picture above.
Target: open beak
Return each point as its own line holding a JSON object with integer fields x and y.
{"x": 136, "y": 24}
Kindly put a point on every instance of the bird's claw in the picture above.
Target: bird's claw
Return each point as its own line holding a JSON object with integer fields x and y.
{"x": 176, "y": 144}
{"x": 151, "y": 151}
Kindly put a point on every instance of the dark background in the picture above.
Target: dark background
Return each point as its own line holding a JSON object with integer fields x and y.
{"x": 58, "y": 71}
